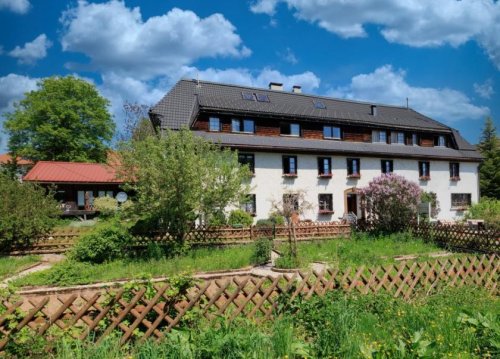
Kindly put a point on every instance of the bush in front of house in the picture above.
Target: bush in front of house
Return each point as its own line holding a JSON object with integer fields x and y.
{"x": 107, "y": 206}
{"x": 487, "y": 209}
{"x": 274, "y": 219}
{"x": 107, "y": 243}
{"x": 262, "y": 251}
{"x": 239, "y": 217}
{"x": 390, "y": 202}
{"x": 26, "y": 212}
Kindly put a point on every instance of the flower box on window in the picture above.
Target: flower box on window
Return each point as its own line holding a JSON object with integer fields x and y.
{"x": 326, "y": 211}
{"x": 460, "y": 208}
{"x": 354, "y": 175}
{"x": 425, "y": 178}
{"x": 456, "y": 178}
{"x": 325, "y": 175}
{"x": 290, "y": 175}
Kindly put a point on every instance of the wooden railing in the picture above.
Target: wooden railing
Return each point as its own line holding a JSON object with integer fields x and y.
{"x": 144, "y": 312}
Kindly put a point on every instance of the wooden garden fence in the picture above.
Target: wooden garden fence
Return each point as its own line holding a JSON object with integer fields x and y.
{"x": 459, "y": 236}
{"x": 62, "y": 241}
{"x": 149, "y": 312}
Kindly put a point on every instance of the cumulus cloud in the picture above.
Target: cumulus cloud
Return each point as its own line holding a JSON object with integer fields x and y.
{"x": 485, "y": 90}
{"x": 117, "y": 39}
{"x": 289, "y": 56}
{"x": 424, "y": 23}
{"x": 32, "y": 51}
{"x": 389, "y": 86}
{"x": 17, "y": 6}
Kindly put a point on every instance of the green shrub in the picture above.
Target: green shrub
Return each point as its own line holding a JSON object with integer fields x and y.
{"x": 431, "y": 197}
{"x": 487, "y": 209}
{"x": 26, "y": 212}
{"x": 264, "y": 223}
{"x": 107, "y": 206}
{"x": 277, "y": 219}
{"x": 218, "y": 219}
{"x": 104, "y": 244}
{"x": 286, "y": 260}
{"x": 240, "y": 217}
{"x": 262, "y": 251}
{"x": 154, "y": 251}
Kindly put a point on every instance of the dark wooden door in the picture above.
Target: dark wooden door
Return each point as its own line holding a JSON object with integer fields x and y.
{"x": 352, "y": 203}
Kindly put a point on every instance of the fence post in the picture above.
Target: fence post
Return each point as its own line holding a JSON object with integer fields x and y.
{"x": 251, "y": 233}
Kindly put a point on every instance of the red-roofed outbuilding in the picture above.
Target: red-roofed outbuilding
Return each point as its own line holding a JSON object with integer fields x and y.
{"x": 76, "y": 183}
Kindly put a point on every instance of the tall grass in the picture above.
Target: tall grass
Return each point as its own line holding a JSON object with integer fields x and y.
{"x": 200, "y": 259}
{"x": 12, "y": 265}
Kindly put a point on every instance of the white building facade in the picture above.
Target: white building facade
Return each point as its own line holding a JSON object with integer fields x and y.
{"x": 322, "y": 147}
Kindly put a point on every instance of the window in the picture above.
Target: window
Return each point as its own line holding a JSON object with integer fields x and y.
{"x": 214, "y": 124}
{"x": 319, "y": 105}
{"x": 249, "y": 204}
{"x": 353, "y": 167}
{"x": 262, "y": 97}
{"x": 398, "y": 138}
{"x": 331, "y": 132}
{"x": 387, "y": 166}
{"x": 246, "y": 126}
{"x": 290, "y": 129}
{"x": 379, "y": 136}
{"x": 424, "y": 170}
{"x": 441, "y": 141}
{"x": 324, "y": 166}
{"x": 290, "y": 166}
{"x": 460, "y": 200}
{"x": 414, "y": 139}
{"x": 248, "y": 96}
{"x": 291, "y": 201}
{"x": 247, "y": 159}
{"x": 325, "y": 201}
{"x": 454, "y": 171}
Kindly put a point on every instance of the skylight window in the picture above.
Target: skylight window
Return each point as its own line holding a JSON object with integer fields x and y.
{"x": 248, "y": 96}
{"x": 319, "y": 105}
{"x": 262, "y": 97}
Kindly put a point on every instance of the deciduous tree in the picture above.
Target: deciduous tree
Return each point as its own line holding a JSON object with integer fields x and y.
{"x": 66, "y": 119}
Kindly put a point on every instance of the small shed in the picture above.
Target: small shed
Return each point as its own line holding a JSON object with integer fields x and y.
{"x": 76, "y": 183}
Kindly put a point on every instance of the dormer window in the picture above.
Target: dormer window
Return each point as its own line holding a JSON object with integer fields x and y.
{"x": 290, "y": 129}
{"x": 379, "y": 136}
{"x": 331, "y": 132}
{"x": 414, "y": 139}
{"x": 398, "y": 138}
{"x": 441, "y": 142}
{"x": 214, "y": 124}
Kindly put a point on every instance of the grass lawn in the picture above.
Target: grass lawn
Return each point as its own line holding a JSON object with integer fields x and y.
{"x": 69, "y": 273}
{"x": 362, "y": 249}
{"x": 12, "y": 265}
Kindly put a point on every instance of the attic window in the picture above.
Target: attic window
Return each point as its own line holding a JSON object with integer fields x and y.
{"x": 319, "y": 105}
{"x": 248, "y": 96}
{"x": 262, "y": 97}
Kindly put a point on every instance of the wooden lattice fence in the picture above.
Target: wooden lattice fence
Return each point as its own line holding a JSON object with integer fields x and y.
{"x": 145, "y": 311}
{"x": 62, "y": 241}
{"x": 459, "y": 236}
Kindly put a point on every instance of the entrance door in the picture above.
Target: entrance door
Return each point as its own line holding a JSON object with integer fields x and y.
{"x": 352, "y": 203}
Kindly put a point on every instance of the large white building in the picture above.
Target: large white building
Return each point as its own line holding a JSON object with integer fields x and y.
{"x": 326, "y": 148}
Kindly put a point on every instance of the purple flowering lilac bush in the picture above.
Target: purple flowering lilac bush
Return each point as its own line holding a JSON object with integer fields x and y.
{"x": 390, "y": 202}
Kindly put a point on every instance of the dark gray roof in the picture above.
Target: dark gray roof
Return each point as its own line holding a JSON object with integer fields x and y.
{"x": 291, "y": 144}
{"x": 181, "y": 105}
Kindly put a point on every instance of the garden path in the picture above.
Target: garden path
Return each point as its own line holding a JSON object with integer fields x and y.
{"x": 47, "y": 261}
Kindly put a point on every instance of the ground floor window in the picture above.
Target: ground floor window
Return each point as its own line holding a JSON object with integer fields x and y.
{"x": 249, "y": 204}
{"x": 325, "y": 201}
{"x": 291, "y": 202}
{"x": 460, "y": 200}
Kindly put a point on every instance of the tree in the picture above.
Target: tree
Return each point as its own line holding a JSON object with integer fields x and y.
{"x": 291, "y": 206}
{"x": 489, "y": 170}
{"x": 26, "y": 211}
{"x": 431, "y": 197}
{"x": 181, "y": 178}
{"x": 64, "y": 120}
{"x": 390, "y": 202}
{"x": 137, "y": 125}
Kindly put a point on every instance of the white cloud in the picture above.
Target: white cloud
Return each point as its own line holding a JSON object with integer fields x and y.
{"x": 485, "y": 90}
{"x": 17, "y": 6}
{"x": 242, "y": 76}
{"x": 32, "y": 51}
{"x": 117, "y": 39}
{"x": 386, "y": 85}
{"x": 418, "y": 23}
{"x": 289, "y": 56}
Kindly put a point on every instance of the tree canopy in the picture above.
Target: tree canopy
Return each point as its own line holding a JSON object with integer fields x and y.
{"x": 180, "y": 178}
{"x": 489, "y": 171}
{"x": 66, "y": 119}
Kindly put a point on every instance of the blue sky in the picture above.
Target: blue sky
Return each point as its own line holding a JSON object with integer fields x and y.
{"x": 445, "y": 58}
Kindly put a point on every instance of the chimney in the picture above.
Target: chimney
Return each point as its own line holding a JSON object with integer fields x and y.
{"x": 374, "y": 110}
{"x": 296, "y": 89}
{"x": 275, "y": 86}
